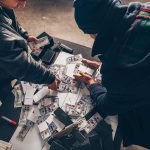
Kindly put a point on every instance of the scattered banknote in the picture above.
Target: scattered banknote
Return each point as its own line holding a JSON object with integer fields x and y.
{"x": 41, "y": 94}
{"x": 36, "y": 46}
{"x": 54, "y": 124}
{"x": 63, "y": 87}
{"x": 82, "y": 108}
{"x": 48, "y": 104}
{"x": 23, "y": 116}
{"x": 42, "y": 119}
{"x": 44, "y": 130}
{"x": 83, "y": 68}
{"x": 82, "y": 122}
{"x": 24, "y": 130}
{"x": 74, "y": 59}
{"x": 45, "y": 110}
{"x": 28, "y": 100}
{"x": 57, "y": 70}
{"x": 92, "y": 123}
{"x": 19, "y": 96}
{"x": 68, "y": 80}
{"x": 70, "y": 110}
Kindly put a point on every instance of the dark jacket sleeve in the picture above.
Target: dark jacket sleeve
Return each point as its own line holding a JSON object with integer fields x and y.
{"x": 19, "y": 64}
{"x": 22, "y": 31}
{"x": 108, "y": 103}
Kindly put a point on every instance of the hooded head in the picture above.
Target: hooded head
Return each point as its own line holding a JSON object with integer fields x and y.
{"x": 100, "y": 17}
{"x": 90, "y": 15}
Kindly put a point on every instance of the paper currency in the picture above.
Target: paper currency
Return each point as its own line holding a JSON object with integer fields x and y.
{"x": 28, "y": 100}
{"x": 57, "y": 70}
{"x": 81, "y": 123}
{"x": 82, "y": 68}
{"x": 5, "y": 145}
{"x": 54, "y": 124}
{"x": 32, "y": 115}
{"x": 44, "y": 130}
{"x": 74, "y": 59}
{"x": 68, "y": 80}
{"x": 23, "y": 116}
{"x": 24, "y": 130}
{"x": 92, "y": 123}
{"x": 36, "y": 46}
{"x": 41, "y": 94}
{"x": 19, "y": 95}
{"x": 42, "y": 119}
{"x": 48, "y": 104}
{"x": 45, "y": 110}
{"x": 63, "y": 87}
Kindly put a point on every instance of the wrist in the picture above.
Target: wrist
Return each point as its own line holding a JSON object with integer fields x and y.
{"x": 91, "y": 81}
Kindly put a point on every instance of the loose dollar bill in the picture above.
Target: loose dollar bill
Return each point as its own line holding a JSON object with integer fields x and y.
{"x": 19, "y": 96}
{"x": 23, "y": 116}
{"x": 74, "y": 59}
{"x": 24, "y": 130}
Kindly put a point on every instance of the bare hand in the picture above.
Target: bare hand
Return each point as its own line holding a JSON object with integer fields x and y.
{"x": 85, "y": 78}
{"x": 92, "y": 64}
{"x": 54, "y": 85}
{"x": 32, "y": 39}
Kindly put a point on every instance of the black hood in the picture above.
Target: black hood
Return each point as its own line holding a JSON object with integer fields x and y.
{"x": 101, "y": 17}
{"x": 90, "y": 15}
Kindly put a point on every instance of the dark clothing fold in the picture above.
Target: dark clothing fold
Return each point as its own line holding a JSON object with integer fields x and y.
{"x": 15, "y": 60}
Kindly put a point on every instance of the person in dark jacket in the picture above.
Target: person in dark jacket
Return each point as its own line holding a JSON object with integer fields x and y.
{"x": 15, "y": 60}
{"x": 122, "y": 43}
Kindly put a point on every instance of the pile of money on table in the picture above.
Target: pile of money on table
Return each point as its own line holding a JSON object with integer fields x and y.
{"x": 68, "y": 112}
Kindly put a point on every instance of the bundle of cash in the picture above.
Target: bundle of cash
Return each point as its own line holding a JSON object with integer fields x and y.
{"x": 5, "y": 145}
{"x": 83, "y": 68}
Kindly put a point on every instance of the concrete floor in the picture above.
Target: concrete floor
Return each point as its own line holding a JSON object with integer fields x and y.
{"x": 56, "y": 18}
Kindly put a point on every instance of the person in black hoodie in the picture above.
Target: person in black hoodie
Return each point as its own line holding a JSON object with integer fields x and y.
{"x": 122, "y": 43}
{"x": 15, "y": 60}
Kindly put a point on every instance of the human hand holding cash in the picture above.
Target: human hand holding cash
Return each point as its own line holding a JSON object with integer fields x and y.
{"x": 92, "y": 64}
{"x": 38, "y": 44}
{"x": 85, "y": 78}
{"x": 32, "y": 39}
{"x": 54, "y": 86}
